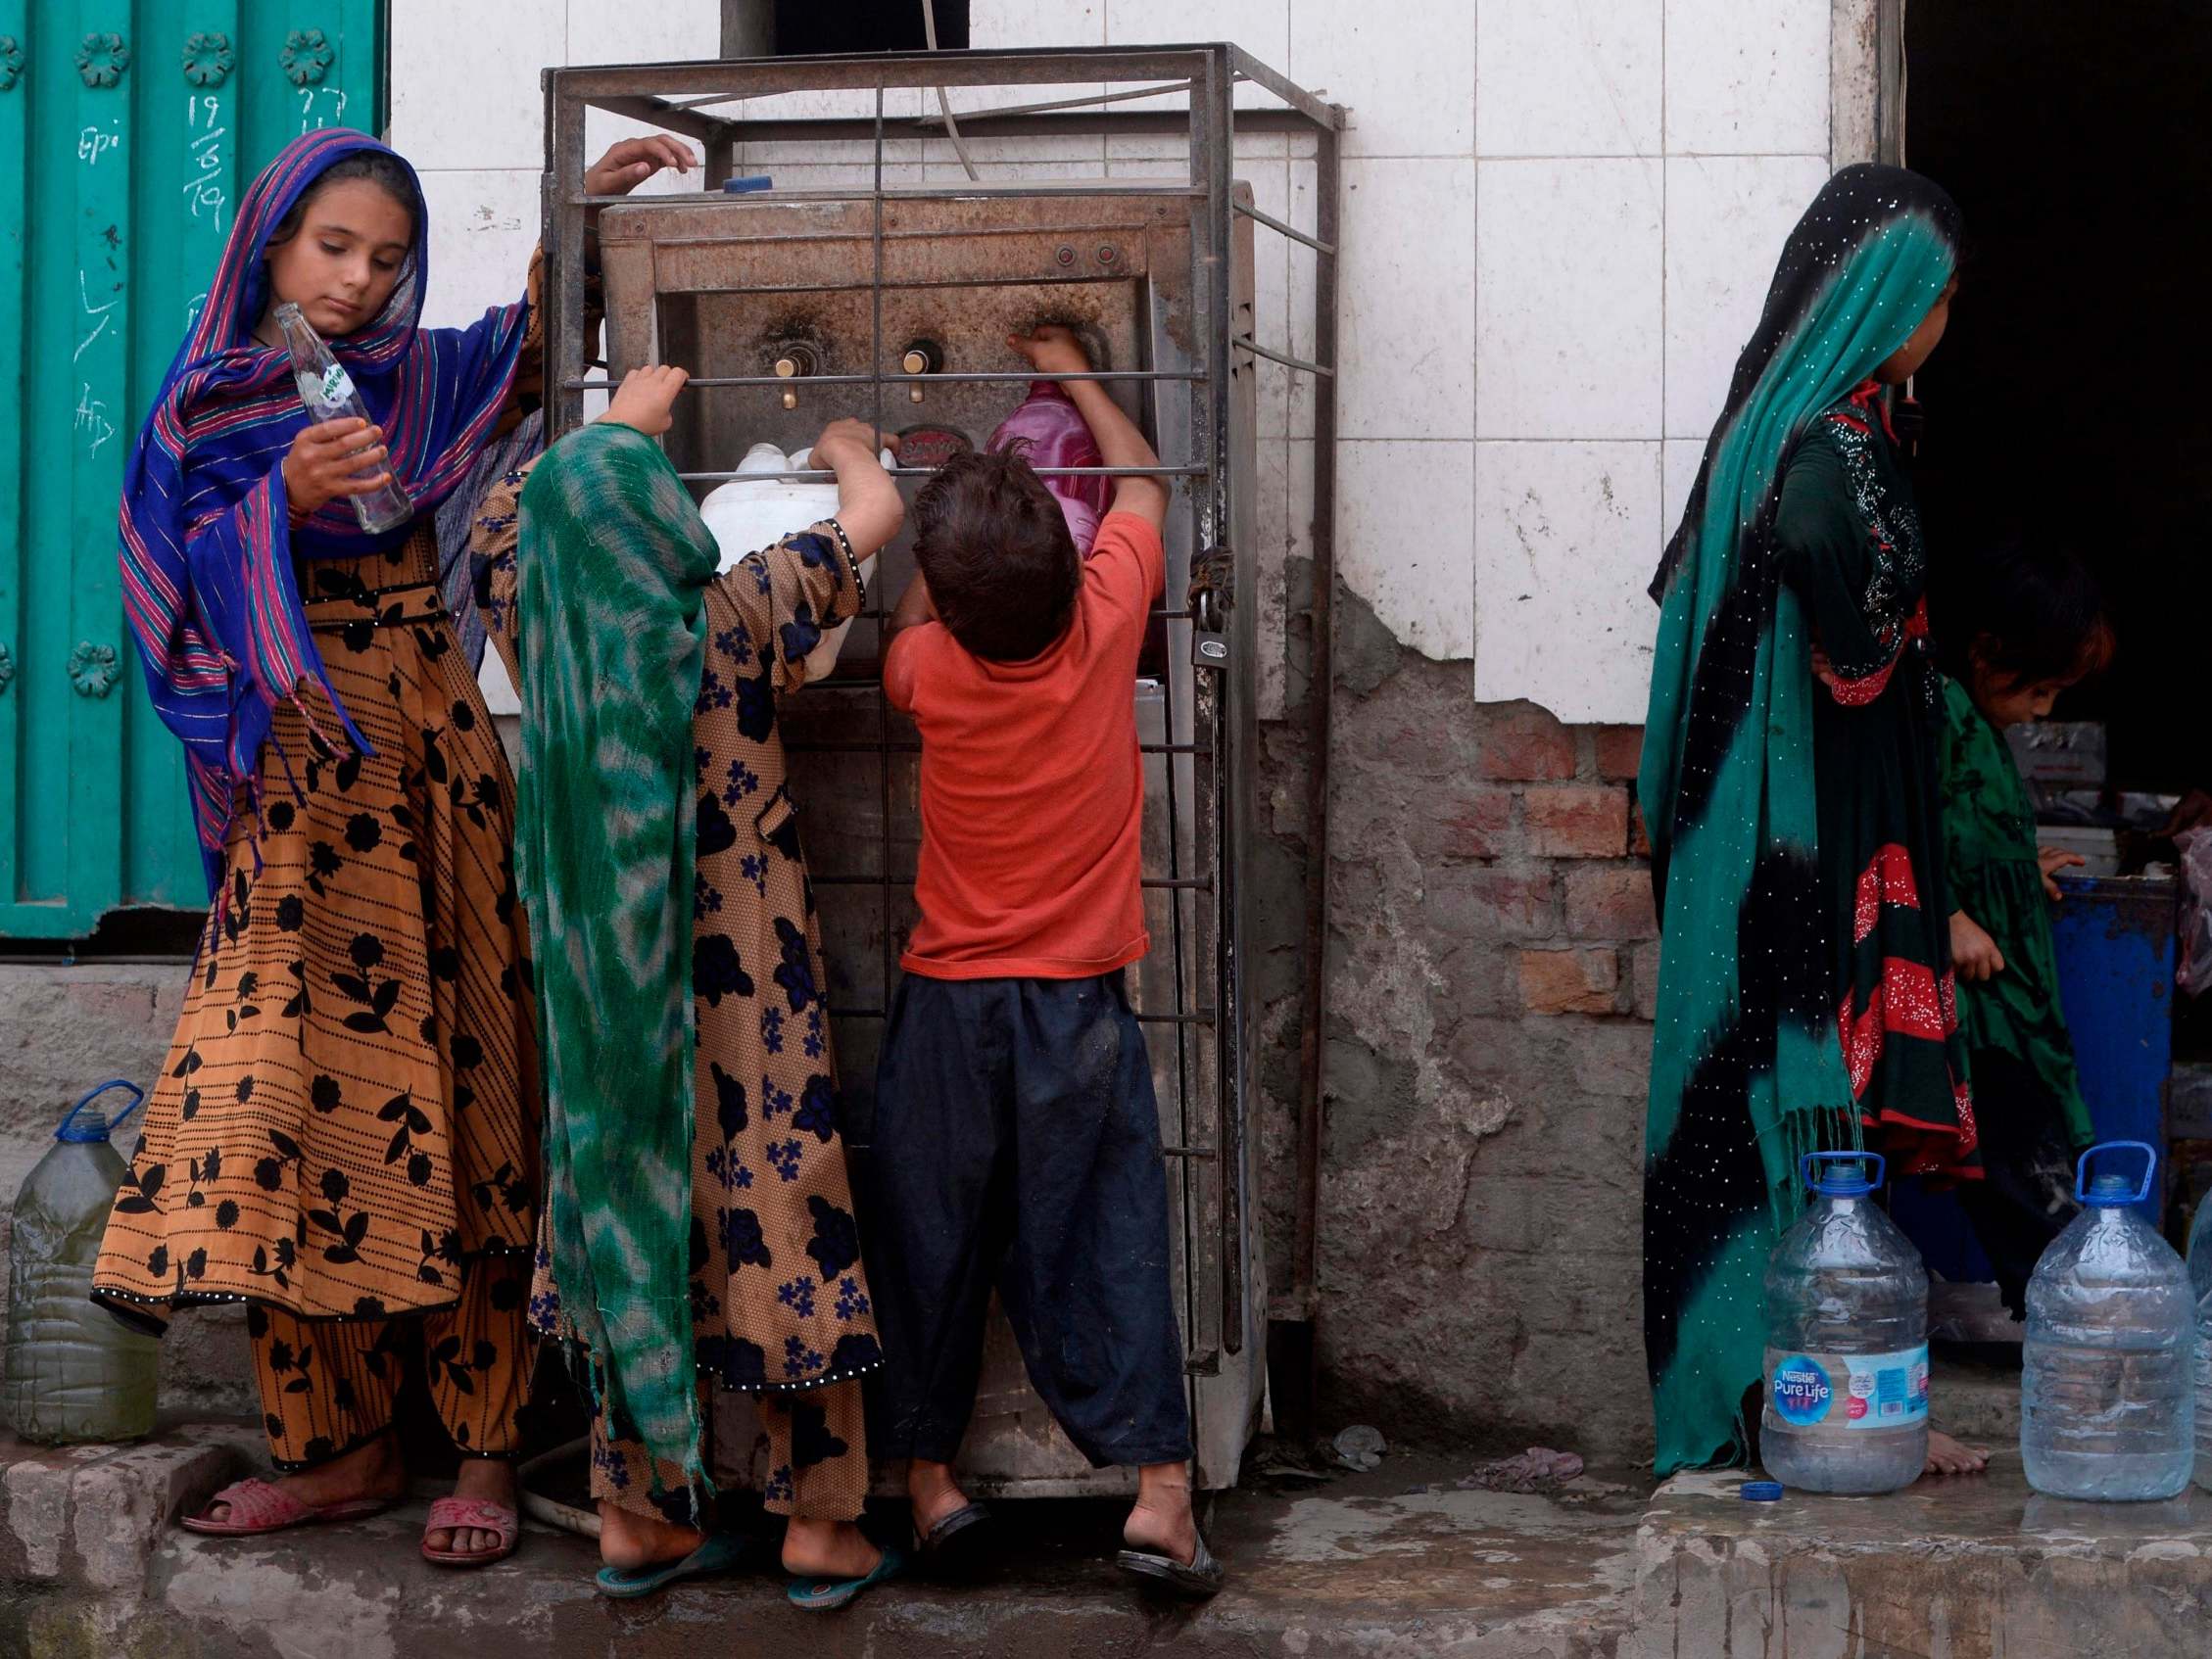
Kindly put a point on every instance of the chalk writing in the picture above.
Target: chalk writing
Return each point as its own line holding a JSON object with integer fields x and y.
{"x": 319, "y": 106}
{"x": 100, "y": 327}
{"x": 204, "y": 179}
{"x": 92, "y": 419}
{"x": 92, "y": 143}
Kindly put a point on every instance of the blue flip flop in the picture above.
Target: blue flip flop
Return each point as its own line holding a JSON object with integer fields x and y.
{"x": 720, "y": 1553}
{"x": 827, "y": 1596}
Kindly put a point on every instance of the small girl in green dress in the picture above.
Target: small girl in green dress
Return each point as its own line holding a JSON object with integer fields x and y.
{"x": 2026, "y": 625}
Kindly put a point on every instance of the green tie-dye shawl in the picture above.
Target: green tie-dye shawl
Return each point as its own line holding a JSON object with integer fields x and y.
{"x": 1747, "y": 1070}
{"x": 614, "y": 561}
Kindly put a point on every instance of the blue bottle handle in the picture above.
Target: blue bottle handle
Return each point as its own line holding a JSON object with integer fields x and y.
{"x": 2149, "y": 1167}
{"x": 1805, "y": 1163}
{"x": 108, "y": 1126}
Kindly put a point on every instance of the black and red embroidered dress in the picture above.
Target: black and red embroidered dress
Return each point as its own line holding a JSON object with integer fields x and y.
{"x": 1852, "y": 552}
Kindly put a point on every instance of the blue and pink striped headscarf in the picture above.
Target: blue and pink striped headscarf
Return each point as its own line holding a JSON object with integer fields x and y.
{"x": 208, "y": 547}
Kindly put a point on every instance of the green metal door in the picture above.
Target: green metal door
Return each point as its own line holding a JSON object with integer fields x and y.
{"x": 128, "y": 131}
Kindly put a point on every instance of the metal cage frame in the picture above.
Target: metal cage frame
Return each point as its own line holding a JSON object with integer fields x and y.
{"x": 1211, "y": 624}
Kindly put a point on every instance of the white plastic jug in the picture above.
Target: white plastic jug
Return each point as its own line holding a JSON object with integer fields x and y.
{"x": 746, "y": 514}
{"x": 2107, "y": 1398}
{"x": 1847, "y": 1340}
{"x": 763, "y": 506}
{"x": 73, "y": 1371}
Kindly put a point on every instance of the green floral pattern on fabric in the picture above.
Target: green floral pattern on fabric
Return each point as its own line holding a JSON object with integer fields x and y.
{"x": 1990, "y": 854}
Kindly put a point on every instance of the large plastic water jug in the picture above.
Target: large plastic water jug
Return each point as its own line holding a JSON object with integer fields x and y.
{"x": 73, "y": 1371}
{"x": 754, "y": 510}
{"x": 1847, "y": 1340}
{"x": 2199, "y": 1261}
{"x": 2107, "y": 1398}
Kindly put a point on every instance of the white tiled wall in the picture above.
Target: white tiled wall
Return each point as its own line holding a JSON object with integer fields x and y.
{"x": 1558, "y": 221}
{"x": 472, "y": 120}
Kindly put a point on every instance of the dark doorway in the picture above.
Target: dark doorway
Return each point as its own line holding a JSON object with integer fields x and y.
{"x": 2070, "y": 396}
{"x": 804, "y": 27}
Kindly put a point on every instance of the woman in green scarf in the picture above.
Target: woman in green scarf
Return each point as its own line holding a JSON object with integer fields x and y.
{"x": 1805, "y": 980}
{"x": 700, "y": 1229}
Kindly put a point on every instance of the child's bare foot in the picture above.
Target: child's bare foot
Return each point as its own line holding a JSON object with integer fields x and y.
{"x": 491, "y": 1478}
{"x": 934, "y": 1494}
{"x": 629, "y": 1541}
{"x": 1160, "y": 1522}
{"x": 827, "y": 1549}
{"x": 373, "y": 1470}
{"x": 1947, "y": 1456}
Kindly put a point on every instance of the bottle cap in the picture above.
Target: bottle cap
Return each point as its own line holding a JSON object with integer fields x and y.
{"x": 1843, "y": 1174}
{"x": 96, "y": 1128}
{"x": 1760, "y": 1491}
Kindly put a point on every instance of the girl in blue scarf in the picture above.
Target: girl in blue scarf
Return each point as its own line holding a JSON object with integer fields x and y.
{"x": 345, "y": 1137}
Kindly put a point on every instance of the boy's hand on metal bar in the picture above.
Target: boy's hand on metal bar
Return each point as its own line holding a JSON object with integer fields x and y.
{"x": 647, "y": 398}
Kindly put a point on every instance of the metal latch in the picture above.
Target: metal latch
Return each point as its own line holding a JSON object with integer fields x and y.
{"x": 1210, "y": 604}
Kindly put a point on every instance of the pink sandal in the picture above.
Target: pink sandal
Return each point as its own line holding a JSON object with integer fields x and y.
{"x": 455, "y": 1514}
{"x": 256, "y": 1507}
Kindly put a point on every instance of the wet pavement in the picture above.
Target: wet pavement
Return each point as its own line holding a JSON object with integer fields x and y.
{"x": 1400, "y": 1560}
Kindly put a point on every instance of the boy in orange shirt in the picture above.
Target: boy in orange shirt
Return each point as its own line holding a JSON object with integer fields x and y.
{"x": 1017, "y": 1138}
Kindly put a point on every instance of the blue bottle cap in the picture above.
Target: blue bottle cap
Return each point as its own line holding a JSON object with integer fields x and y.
{"x": 1760, "y": 1491}
{"x": 96, "y": 1127}
{"x": 746, "y": 185}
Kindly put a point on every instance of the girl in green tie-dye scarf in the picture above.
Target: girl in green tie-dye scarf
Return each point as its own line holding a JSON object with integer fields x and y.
{"x": 700, "y": 1228}
{"x": 1805, "y": 980}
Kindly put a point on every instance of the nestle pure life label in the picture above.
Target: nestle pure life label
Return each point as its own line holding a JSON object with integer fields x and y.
{"x": 1839, "y": 1392}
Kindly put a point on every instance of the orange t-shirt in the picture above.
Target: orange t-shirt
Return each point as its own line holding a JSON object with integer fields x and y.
{"x": 1033, "y": 787}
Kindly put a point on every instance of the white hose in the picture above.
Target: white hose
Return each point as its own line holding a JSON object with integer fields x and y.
{"x": 945, "y": 104}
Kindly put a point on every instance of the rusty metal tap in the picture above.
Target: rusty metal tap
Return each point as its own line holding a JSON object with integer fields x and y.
{"x": 795, "y": 362}
{"x": 922, "y": 357}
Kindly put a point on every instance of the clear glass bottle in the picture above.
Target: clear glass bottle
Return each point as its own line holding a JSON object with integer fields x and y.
{"x": 73, "y": 1371}
{"x": 2107, "y": 1398}
{"x": 329, "y": 391}
{"x": 1847, "y": 1340}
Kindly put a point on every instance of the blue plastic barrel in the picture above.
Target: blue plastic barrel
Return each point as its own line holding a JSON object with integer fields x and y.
{"x": 2115, "y": 938}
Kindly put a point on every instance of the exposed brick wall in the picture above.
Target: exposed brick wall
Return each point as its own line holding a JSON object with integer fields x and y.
{"x": 1491, "y": 976}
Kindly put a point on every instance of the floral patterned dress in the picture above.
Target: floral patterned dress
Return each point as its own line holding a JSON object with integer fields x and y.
{"x": 780, "y": 1298}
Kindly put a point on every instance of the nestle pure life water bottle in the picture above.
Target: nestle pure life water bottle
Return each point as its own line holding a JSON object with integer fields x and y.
{"x": 1847, "y": 1340}
{"x": 329, "y": 391}
{"x": 2107, "y": 1401}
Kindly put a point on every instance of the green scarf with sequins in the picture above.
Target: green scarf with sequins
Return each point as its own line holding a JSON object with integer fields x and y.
{"x": 1747, "y": 1068}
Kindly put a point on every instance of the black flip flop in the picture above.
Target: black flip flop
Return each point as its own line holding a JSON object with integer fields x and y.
{"x": 1202, "y": 1578}
{"x": 949, "y": 1547}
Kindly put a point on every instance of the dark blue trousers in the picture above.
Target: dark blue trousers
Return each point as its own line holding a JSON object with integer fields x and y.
{"x": 1017, "y": 1144}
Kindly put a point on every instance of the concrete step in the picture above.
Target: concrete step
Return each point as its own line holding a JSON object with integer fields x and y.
{"x": 1971, "y": 1569}
{"x": 1393, "y": 1562}
{"x": 1396, "y": 1562}
{"x": 1978, "y": 1403}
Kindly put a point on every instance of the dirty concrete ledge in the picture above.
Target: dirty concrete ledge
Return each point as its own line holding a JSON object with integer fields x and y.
{"x": 1360, "y": 1565}
{"x": 1396, "y": 1562}
{"x": 1978, "y": 1568}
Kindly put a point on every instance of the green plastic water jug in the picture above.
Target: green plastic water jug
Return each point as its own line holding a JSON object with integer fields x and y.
{"x": 73, "y": 1371}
